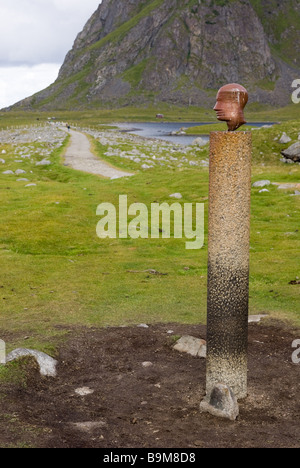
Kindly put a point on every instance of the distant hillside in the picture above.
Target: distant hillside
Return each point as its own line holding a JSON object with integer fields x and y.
{"x": 178, "y": 51}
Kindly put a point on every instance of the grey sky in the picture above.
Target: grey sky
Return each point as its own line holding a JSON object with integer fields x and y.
{"x": 35, "y": 36}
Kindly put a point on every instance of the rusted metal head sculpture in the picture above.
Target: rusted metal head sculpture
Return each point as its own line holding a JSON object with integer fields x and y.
{"x": 231, "y": 101}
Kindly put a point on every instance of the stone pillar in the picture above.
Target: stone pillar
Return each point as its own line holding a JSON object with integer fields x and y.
{"x": 228, "y": 260}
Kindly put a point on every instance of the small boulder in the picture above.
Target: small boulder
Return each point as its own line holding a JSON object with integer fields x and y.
{"x": 256, "y": 318}
{"x": 199, "y": 142}
{"x": 261, "y": 183}
{"x": 20, "y": 172}
{"x": 221, "y": 403}
{"x": 84, "y": 391}
{"x": 288, "y": 186}
{"x": 293, "y": 152}
{"x": 286, "y": 161}
{"x": 284, "y": 139}
{"x": 8, "y": 173}
{"x": 44, "y": 162}
{"x": 193, "y": 346}
{"x": 178, "y": 196}
{"x": 46, "y": 363}
{"x": 143, "y": 325}
{"x": 147, "y": 364}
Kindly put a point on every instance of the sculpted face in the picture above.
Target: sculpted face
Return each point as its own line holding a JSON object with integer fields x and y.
{"x": 231, "y": 101}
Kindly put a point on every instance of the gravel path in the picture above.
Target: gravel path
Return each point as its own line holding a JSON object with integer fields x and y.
{"x": 79, "y": 157}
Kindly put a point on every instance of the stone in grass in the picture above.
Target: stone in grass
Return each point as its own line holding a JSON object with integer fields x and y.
{"x": 292, "y": 152}
{"x": 287, "y": 186}
{"x": 8, "y": 173}
{"x": 46, "y": 363}
{"x": 178, "y": 196}
{"x": 284, "y": 139}
{"x": 199, "y": 142}
{"x": 191, "y": 345}
{"x": 30, "y": 185}
{"x": 20, "y": 171}
{"x": 44, "y": 162}
{"x": 2, "y": 161}
{"x": 261, "y": 183}
{"x": 221, "y": 403}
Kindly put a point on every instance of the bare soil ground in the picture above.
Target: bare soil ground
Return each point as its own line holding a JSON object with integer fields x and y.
{"x": 151, "y": 407}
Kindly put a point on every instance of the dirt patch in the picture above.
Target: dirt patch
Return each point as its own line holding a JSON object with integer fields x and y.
{"x": 128, "y": 405}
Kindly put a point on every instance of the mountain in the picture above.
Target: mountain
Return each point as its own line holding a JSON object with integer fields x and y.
{"x": 133, "y": 52}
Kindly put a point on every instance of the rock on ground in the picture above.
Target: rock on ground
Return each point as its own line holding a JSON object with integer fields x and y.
{"x": 293, "y": 152}
{"x": 264, "y": 190}
{"x": 222, "y": 403}
{"x": 46, "y": 363}
{"x": 256, "y": 318}
{"x": 84, "y": 391}
{"x": 193, "y": 346}
{"x": 284, "y": 139}
{"x": 261, "y": 183}
{"x": 199, "y": 142}
{"x": 44, "y": 162}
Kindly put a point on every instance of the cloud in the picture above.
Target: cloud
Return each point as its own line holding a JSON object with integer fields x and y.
{"x": 41, "y": 31}
{"x": 16, "y": 83}
{"x": 35, "y": 36}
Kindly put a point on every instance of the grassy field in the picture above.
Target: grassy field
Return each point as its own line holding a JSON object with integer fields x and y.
{"x": 255, "y": 113}
{"x": 56, "y": 273}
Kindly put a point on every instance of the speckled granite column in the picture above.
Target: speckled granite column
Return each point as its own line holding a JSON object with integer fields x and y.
{"x": 228, "y": 260}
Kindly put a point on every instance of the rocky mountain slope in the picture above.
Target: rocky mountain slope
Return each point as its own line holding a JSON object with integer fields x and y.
{"x": 180, "y": 52}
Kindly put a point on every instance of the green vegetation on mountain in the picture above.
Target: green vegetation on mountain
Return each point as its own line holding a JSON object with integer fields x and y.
{"x": 178, "y": 52}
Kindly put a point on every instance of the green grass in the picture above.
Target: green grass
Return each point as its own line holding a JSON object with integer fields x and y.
{"x": 282, "y": 25}
{"x": 94, "y": 117}
{"x": 134, "y": 74}
{"x": 57, "y": 274}
{"x": 218, "y": 127}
